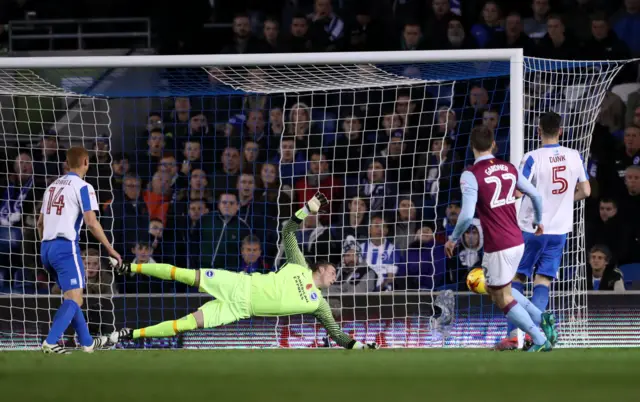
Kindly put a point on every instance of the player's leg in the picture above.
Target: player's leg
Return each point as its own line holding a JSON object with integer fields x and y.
{"x": 533, "y": 247}
{"x": 167, "y": 272}
{"x": 500, "y": 268}
{"x": 546, "y": 272}
{"x": 212, "y": 314}
{"x": 63, "y": 258}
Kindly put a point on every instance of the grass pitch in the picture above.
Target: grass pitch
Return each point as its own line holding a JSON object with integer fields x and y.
{"x": 322, "y": 375}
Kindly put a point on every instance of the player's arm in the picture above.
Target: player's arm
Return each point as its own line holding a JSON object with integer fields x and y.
{"x": 89, "y": 205}
{"x": 583, "y": 188}
{"x": 40, "y": 225}
{"x": 469, "y": 187}
{"x": 289, "y": 240}
{"x": 324, "y": 315}
{"x": 525, "y": 187}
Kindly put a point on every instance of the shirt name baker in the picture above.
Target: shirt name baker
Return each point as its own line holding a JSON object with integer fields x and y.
{"x": 301, "y": 289}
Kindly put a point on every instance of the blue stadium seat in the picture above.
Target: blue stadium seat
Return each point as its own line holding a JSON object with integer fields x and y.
{"x": 631, "y": 273}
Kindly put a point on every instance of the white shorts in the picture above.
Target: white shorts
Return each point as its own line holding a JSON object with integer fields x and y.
{"x": 500, "y": 266}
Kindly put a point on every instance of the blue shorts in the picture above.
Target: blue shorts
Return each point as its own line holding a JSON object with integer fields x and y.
{"x": 542, "y": 254}
{"x": 61, "y": 257}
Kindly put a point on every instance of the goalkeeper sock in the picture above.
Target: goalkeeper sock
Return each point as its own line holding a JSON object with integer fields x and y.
{"x": 516, "y": 314}
{"x": 534, "y": 312}
{"x": 540, "y": 297}
{"x": 61, "y": 320}
{"x": 511, "y": 328}
{"x": 166, "y": 272}
{"x": 80, "y": 325}
{"x": 167, "y": 328}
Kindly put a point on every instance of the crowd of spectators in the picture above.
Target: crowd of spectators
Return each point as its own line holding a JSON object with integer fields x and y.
{"x": 213, "y": 178}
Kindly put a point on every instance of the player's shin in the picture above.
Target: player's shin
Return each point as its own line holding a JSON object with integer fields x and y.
{"x": 80, "y": 325}
{"x": 512, "y": 330}
{"x": 61, "y": 320}
{"x": 540, "y": 297}
{"x": 167, "y": 328}
{"x": 166, "y": 272}
{"x": 516, "y": 314}
{"x": 534, "y": 312}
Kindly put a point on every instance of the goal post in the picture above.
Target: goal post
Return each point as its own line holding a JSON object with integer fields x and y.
{"x": 403, "y": 103}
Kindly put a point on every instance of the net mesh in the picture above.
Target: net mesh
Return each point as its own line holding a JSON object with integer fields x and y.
{"x": 386, "y": 143}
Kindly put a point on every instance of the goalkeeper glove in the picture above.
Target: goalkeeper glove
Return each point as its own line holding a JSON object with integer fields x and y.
{"x": 316, "y": 202}
{"x": 360, "y": 345}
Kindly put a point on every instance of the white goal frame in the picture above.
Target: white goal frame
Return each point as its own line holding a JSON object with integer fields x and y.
{"x": 514, "y": 56}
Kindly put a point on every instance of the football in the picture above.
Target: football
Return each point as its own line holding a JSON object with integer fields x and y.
{"x": 475, "y": 281}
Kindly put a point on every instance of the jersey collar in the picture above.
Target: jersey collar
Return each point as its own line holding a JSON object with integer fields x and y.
{"x": 72, "y": 174}
{"x": 551, "y": 146}
{"x": 484, "y": 158}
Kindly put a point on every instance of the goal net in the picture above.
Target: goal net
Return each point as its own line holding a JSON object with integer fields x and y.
{"x": 200, "y": 160}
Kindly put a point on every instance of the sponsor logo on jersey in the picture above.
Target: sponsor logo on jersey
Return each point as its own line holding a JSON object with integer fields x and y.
{"x": 301, "y": 290}
{"x": 314, "y": 296}
{"x": 309, "y": 286}
{"x": 74, "y": 282}
{"x": 209, "y": 273}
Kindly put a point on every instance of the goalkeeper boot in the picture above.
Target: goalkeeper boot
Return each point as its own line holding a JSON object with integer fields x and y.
{"x": 548, "y": 326}
{"x": 54, "y": 349}
{"x": 125, "y": 334}
{"x": 101, "y": 342}
{"x": 545, "y": 347}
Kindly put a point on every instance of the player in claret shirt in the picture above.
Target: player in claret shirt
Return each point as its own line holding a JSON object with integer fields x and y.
{"x": 488, "y": 189}
{"x": 294, "y": 289}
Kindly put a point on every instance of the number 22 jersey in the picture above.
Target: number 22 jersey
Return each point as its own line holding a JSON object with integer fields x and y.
{"x": 63, "y": 206}
{"x": 496, "y": 182}
{"x": 554, "y": 170}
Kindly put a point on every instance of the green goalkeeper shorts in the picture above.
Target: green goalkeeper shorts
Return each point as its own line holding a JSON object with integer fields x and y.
{"x": 232, "y": 292}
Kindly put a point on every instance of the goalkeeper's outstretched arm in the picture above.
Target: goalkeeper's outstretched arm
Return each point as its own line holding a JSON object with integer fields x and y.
{"x": 324, "y": 315}
{"x": 291, "y": 250}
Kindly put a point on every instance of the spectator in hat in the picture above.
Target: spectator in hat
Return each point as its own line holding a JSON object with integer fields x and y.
{"x": 602, "y": 274}
{"x": 354, "y": 276}
{"x": 364, "y": 33}
{"x": 457, "y": 37}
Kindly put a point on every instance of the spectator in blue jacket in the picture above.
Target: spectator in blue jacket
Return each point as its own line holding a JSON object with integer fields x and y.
{"x": 491, "y": 23}
{"x": 425, "y": 265}
{"x": 626, "y": 24}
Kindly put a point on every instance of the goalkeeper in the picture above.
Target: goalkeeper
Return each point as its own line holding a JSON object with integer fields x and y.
{"x": 294, "y": 289}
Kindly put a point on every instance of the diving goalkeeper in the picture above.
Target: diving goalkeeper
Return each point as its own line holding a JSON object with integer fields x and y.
{"x": 294, "y": 289}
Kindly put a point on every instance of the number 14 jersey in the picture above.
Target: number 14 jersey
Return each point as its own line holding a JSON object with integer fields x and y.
{"x": 554, "y": 170}
{"x": 63, "y": 206}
